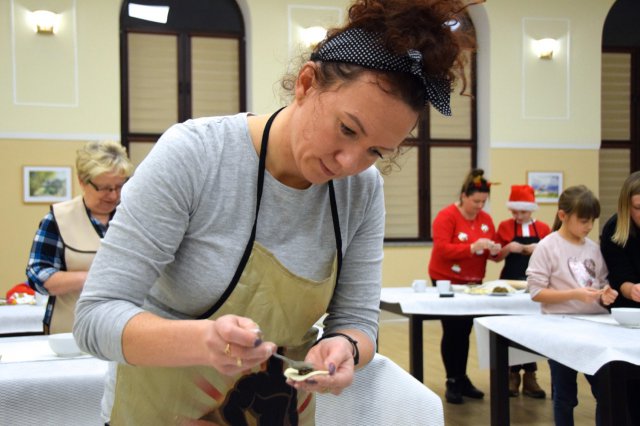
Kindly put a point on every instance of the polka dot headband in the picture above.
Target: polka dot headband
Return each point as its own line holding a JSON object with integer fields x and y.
{"x": 359, "y": 47}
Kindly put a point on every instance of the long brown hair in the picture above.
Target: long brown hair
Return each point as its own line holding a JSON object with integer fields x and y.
{"x": 578, "y": 200}
{"x": 630, "y": 187}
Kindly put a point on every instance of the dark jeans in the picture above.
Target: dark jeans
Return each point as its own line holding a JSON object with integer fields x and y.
{"x": 455, "y": 345}
{"x": 529, "y": 367}
{"x": 564, "y": 389}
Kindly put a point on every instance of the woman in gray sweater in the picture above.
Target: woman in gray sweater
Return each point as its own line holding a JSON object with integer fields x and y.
{"x": 238, "y": 233}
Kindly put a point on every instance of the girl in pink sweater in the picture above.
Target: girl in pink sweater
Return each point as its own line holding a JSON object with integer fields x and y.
{"x": 567, "y": 275}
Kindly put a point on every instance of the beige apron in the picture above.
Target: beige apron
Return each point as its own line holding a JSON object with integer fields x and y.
{"x": 81, "y": 242}
{"x": 285, "y": 306}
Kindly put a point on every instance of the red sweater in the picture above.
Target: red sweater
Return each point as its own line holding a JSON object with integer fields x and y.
{"x": 506, "y": 227}
{"x": 451, "y": 257}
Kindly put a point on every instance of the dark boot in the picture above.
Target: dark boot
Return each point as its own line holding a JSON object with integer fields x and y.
{"x": 530, "y": 386}
{"x": 453, "y": 394}
{"x": 514, "y": 384}
{"x": 467, "y": 389}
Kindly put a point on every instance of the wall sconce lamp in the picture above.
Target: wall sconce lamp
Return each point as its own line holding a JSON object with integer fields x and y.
{"x": 545, "y": 47}
{"x": 311, "y": 36}
{"x": 45, "y": 21}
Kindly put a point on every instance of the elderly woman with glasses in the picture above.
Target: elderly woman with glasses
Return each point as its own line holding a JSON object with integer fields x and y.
{"x": 70, "y": 233}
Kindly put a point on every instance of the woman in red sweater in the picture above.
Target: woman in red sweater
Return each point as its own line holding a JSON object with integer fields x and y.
{"x": 463, "y": 237}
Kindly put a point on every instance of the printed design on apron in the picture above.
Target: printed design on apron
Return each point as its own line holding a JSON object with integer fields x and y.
{"x": 266, "y": 291}
{"x": 269, "y": 398}
{"x": 515, "y": 264}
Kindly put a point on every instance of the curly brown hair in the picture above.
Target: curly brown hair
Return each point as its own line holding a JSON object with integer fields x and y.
{"x": 422, "y": 25}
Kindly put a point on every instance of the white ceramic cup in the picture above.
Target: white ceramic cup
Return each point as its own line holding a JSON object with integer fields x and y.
{"x": 419, "y": 286}
{"x": 444, "y": 286}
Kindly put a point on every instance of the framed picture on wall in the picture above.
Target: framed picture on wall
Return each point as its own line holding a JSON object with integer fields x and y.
{"x": 547, "y": 185}
{"x": 43, "y": 184}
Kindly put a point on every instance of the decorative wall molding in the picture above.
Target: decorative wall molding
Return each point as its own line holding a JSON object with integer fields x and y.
{"x": 546, "y": 88}
{"x": 25, "y": 45}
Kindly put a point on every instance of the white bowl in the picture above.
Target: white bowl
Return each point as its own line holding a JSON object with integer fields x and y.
{"x": 63, "y": 344}
{"x": 629, "y": 317}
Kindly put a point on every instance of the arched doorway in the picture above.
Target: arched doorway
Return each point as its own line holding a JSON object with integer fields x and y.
{"x": 620, "y": 148}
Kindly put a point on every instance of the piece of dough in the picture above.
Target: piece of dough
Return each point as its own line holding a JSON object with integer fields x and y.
{"x": 292, "y": 373}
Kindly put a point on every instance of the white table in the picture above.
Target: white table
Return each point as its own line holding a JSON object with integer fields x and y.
{"x": 593, "y": 345}
{"x": 382, "y": 393}
{"x": 428, "y": 306}
{"x": 17, "y": 320}
{"x": 39, "y": 388}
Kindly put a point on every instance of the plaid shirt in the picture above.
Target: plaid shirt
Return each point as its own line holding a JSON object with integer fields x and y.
{"x": 47, "y": 251}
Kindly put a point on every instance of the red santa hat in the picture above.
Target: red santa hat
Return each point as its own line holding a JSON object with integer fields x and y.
{"x": 522, "y": 198}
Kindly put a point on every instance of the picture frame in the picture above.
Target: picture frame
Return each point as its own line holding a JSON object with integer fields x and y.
{"x": 45, "y": 184}
{"x": 546, "y": 185}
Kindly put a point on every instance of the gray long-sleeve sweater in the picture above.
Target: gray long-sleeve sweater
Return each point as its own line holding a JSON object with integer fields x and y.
{"x": 184, "y": 221}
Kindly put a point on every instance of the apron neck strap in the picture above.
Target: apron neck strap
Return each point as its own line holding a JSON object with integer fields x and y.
{"x": 336, "y": 227}
{"x": 247, "y": 251}
{"x": 262, "y": 166}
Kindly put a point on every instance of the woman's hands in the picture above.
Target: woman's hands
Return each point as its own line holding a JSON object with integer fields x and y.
{"x": 631, "y": 291}
{"x": 234, "y": 344}
{"x": 230, "y": 344}
{"x": 481, "y": 244}
{"x": 334, "y": 354}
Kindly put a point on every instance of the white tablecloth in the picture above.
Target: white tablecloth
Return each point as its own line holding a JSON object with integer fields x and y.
{"x": 44, "y": 389}
{"x": 430, "y": 303}
{"x": 582, "y": 344}
{"x": 21, "y": 318}
{"x": 382, "y": 393}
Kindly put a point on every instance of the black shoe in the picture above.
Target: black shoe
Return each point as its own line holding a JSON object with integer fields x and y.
{"x": 467, "y": 389}
{"x": 453, "y": 394}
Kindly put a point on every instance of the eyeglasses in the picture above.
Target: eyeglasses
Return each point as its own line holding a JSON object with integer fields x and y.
{"x": 107, "y": 189}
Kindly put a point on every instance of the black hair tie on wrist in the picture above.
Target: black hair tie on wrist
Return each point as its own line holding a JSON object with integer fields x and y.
{"x": 354, "y": 344}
